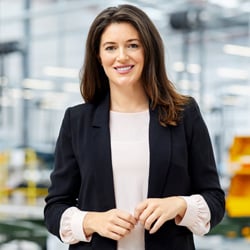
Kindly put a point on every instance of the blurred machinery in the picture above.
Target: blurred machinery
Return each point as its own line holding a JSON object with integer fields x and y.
{"x": 23, "y": 185}
{"x": 237, "y": 220}
{"x": 24, "y": 177}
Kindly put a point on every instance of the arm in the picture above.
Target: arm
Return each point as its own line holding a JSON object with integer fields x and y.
{"x": 202, "y": 167}
{"x": 65, "y": 179}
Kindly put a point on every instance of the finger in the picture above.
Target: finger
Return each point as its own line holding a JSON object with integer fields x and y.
{"x": 145, "y": 215}
{"x": 120, "y": 230}
{"x": 113, "y": 236}
{"x": 150, "y": 220}
{"x": 158, "y": 223}
{"x": 126, "y": 217}
{"x": 140, "y": 208}
{"x": 124, "y": 224}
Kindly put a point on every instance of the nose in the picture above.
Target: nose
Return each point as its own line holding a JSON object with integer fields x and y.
{"x": 122, "y": 55}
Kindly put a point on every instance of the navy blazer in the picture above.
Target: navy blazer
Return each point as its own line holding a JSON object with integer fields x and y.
{"x": 181, "y": 163}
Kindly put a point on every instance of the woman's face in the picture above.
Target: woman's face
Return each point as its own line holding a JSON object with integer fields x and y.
{"x": 121, "y": 55}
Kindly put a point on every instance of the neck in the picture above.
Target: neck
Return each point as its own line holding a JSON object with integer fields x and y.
{"x": 129, "y": 100}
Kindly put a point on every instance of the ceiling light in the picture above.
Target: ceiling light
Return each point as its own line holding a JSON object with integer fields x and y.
{"x": 185, "y": 84}
{"x": 237, "y": 50}
{"x": 61, "y": 72}
{"x": 233, "y": 73}
{"x": 192, "y": 68}
{"x": 179, "y": 66}
{"x": 237, "y": 90}
{"x": 37, "y": 84}
{"x": 15, "y": 93}
{"x": 71, "y": 87}
{"x": 226, "y": 3}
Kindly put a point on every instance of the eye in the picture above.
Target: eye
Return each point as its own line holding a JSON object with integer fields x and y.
{"x": 133, "y": 46}
{"x": 110, "y": 48}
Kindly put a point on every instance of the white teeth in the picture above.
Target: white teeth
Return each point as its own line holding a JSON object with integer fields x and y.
{"x": 123, "y": 68}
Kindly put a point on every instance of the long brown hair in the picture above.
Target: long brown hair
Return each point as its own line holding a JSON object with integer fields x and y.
{"x": 159, "y": 89}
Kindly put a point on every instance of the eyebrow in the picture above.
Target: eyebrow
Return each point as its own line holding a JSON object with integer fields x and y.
{"x": 128, "y": 41}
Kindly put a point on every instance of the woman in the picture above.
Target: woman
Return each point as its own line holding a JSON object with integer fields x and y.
{"x": 134, "y": 166}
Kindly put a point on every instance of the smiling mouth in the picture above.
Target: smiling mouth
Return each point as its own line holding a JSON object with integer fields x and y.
{"x": 124, "y": 69}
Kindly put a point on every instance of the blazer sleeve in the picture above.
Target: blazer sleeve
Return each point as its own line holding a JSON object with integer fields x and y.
{"x": 202, "y": 166}
{"x": 65, "y": 179}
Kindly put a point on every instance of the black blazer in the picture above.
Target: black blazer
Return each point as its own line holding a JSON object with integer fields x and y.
{"x": 181, "y": 163}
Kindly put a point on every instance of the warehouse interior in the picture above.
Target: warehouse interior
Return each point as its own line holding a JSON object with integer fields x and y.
{"x": 207, "y": 51}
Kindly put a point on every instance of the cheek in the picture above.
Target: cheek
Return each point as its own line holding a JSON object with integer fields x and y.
{"x": 106, "y": 62}
{"x": 142, "y": 64}
{"x": 106, "y": 58}
{"x": 107, "y": 66}
{"x": 140, "y": 59}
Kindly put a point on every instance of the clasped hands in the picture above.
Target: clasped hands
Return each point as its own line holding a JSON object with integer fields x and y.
{"x": 152, "y": 213}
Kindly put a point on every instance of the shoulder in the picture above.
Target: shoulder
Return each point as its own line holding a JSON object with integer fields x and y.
{"x": 78, "y": 115}
{"x": 192, "y": 117}
{"x": 79, "y": 110}
{"x": 191, "y": 109}
{"x": 191, "y": 104}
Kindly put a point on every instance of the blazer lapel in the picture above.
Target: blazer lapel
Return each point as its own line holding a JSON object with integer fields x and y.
{"x": 102, "y": 155}
{"x": 160, "y": 150}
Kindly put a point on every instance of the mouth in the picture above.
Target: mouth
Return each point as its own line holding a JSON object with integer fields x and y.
{"x": 124, "y": 69}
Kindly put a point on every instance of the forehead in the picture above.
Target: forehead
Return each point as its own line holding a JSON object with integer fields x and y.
{"x": 119, "y": 32}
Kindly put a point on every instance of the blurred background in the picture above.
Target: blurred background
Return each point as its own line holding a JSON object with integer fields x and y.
{"x": 207, "y": 49}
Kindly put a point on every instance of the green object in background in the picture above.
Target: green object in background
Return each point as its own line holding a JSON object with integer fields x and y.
{"x": 233, "y": 227}
{"x": 29, "y": 230}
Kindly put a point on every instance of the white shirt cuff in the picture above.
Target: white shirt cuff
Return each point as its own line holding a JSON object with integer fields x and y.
{"x": 71, "y": 226}
{"x": 197, "y": 216}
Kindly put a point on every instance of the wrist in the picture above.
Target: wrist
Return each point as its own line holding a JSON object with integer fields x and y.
{"x": 182, "y": 207}
{"x": 88, "y": 224}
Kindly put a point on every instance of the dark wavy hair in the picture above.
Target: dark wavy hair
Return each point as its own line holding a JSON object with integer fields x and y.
{"x": 159, "y": 89}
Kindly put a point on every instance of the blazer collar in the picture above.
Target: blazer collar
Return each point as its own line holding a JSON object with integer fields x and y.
{"x": 160, "y": 151}
{"x": 101, "y": 115}
{"x": 101, "y": 146}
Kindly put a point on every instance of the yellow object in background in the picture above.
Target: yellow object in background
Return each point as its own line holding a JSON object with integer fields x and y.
{"x": 239, "y": 152}
{"x": 238, "y": 198}
{"x": 4, "y": 161}
{"x": 31, "y": 163}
